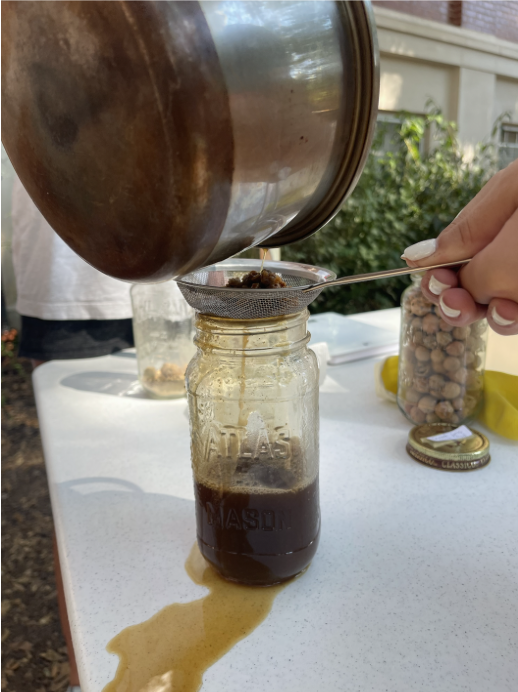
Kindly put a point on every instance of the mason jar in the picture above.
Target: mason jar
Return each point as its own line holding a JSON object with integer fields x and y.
{"x": 441, "y": 368}
{"x": 253, "y": 399}
{"x": 163, "y": 329}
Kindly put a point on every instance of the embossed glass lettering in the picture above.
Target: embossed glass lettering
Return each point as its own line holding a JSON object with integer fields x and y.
{"x": 250, "y": 519}
{"x": 267, "y": 520}
{"x": 214, "y": 515}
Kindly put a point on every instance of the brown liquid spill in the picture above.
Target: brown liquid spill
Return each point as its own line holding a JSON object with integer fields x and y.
{"x": 171, "y": 651}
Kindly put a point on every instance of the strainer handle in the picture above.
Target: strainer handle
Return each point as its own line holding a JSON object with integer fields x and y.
{"x": 385, "y": 274}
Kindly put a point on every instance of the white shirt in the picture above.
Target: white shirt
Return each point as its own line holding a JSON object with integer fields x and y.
{"x": 52, "y": 282}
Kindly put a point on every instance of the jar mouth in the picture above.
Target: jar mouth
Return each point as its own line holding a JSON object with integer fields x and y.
{"x": 417, "y": 278}
{"x": 265, "y": 335}
{"x": 252, "y": 350}
{"x": 263, "y": 325}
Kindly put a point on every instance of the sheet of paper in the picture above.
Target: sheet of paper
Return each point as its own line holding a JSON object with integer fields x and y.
{"x": 460, "y": 433}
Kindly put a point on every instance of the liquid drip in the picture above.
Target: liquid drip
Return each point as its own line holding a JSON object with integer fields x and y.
{"x": 264, "y": 252}
{"x": 171, "y": 651}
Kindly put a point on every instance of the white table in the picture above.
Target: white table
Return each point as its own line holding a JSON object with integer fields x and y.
{"x": 414, "y": 586}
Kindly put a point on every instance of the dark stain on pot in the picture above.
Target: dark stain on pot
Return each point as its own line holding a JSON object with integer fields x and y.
{"x": 120, "y": 130}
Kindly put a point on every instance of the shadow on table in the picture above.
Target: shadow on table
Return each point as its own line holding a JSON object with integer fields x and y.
{"x": 113, "y": 383}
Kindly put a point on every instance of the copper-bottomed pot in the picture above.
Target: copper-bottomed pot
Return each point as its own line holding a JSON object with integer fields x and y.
{"x": 159, "y": 137}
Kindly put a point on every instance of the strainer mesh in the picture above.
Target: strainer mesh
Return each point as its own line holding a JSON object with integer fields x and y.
{"x": 205, "y": 290}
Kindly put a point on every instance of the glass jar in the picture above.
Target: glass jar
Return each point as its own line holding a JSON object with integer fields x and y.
{"x": 163, "y": 328}
{"x": 441, "y": 367}
{"x": 253, "y": 401}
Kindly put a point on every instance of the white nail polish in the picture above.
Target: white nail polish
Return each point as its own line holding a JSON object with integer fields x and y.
{"x": 437, "y": 287}
{"x": 449, "y": 312}
{"x": 420, "y": 250}
{"x": 499, "y": 319}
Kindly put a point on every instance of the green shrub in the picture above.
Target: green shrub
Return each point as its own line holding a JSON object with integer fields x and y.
{"x": 402, "y": 197}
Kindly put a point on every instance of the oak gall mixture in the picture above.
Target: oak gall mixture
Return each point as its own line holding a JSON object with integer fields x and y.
{"x": 262, "y": 279}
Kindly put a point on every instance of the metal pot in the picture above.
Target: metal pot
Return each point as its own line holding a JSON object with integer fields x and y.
{"x": 159, "y": 137}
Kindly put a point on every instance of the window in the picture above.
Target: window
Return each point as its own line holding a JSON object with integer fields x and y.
{"x": 387, "y": 134}
{"x": 508, "y": 145}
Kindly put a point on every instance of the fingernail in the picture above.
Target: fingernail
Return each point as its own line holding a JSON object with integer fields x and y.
{"x": 437, "y": 287}
{"x": 420, "y": 250}
{"x": 500, "y": 320}
{"x": 449, "y": 312}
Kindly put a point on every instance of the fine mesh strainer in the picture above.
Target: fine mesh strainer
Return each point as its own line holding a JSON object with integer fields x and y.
{"x": 205, "y": 290}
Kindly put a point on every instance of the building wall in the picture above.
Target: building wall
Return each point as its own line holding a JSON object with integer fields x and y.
{"x": 407, "y": 85}
{"x": 496, "y": 17}
{"x": 471, "y": 76}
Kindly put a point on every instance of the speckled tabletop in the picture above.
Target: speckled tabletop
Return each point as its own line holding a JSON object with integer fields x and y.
{"x": 414, "y": 586}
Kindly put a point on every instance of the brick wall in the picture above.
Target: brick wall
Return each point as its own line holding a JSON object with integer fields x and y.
{"x": 496, "y": 17}
{"x": 438, "y": 11}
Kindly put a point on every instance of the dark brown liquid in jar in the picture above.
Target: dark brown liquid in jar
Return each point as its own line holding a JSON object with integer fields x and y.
{"x": 258, "y": 538}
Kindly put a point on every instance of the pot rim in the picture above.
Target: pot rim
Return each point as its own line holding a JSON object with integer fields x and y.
{"x": 353, "y": 161}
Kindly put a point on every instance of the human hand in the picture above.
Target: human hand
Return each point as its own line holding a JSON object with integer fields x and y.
{"x": 486, "y": 230}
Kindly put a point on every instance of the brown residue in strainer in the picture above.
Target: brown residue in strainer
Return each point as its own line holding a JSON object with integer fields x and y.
{"x": 262, "y": 279}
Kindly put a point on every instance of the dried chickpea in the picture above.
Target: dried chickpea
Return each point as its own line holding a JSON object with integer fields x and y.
{"x": 150, "y": 374}
{"x": 445, "y": 327}
{"x": 417, "y": 415}
{"x": 458, "y": 403}
{"x": 456, "y": 348}
{"x": 470, "y": 402}
{"x": 444, "y": 410}
{"x": 422, "y": 369}
{"x": 477, "y": 361}
{"x": 429, "y": 341}
{"x": 422, "y": 354}
{"x": 408, "y": 354}
{"x": 437, "y": 382}
{"x": 421, "y": 384}
{"x": 427, "y": 404}
{"x": 451, "y": 390}
{"x": 430, "y": 323}
{"x": 478, "y": 328}
{"x": 412, "y": 396}
{"x": 474, "y": 381}
{"x": 409, "y": 408}
{"x": 444, "y": 338}
{"x": 432, "y": 418}
{"x": 469, "y": 357}
{"x": 461, "y": 332}
{"x": 451, "y": 364}
{"x": 460, "y": 375}
{"x": 438, "y": 368}
{"x": 420, "y": 306}
{"x": 437, "y": 355}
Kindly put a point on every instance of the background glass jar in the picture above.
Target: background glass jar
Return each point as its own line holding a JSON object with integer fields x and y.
{"x": 441, "y": 367}
{"x": 163, "y": 328}
{"x": 253, "y": 401}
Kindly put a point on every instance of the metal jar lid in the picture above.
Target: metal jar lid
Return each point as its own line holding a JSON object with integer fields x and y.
{"x": 465, "y": 454}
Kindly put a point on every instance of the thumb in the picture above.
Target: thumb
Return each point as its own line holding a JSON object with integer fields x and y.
{"x": 475, "y": 227}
